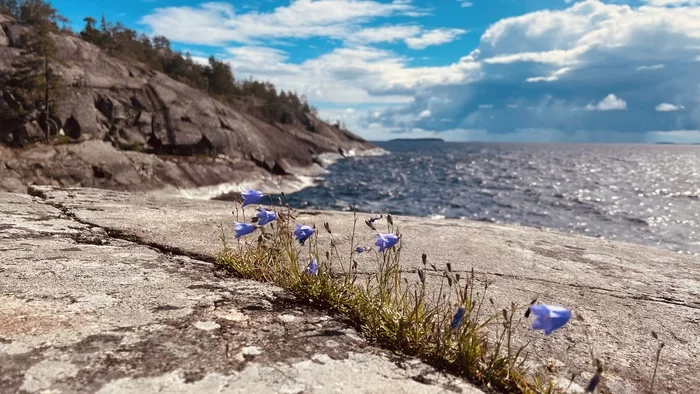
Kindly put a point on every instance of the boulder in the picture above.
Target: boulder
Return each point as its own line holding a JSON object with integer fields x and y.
{"x": 4, "y": 40}
{"x": 16, "y": 34}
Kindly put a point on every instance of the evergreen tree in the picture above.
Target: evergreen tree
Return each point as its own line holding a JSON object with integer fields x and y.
{"x": 220, "y": 79}
{"x": 33, "y": 82}
{"x": 9, "y": 7}
{"x": 161, "y": 42}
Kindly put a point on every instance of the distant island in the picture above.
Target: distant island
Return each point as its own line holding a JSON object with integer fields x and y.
{"x": 417, "y": 140}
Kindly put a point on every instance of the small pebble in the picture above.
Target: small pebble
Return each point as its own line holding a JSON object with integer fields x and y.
{"x": 207, "y": 325}
{"x": 286, "y": 318}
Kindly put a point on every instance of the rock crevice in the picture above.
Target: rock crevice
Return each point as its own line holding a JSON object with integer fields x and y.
{"x": 86, "y": 312}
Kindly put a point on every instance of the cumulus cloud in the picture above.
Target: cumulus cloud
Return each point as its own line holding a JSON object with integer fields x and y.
{"x": 555, "y": 70}
{"x": 217, "y": 23}
{"x": 352, "y": 75}
{"x": 384, "y": 34}
{"x": 609, "y": 103}
{"x": 671, "y": 3}
{"x": 414, "y": 36}
{"x": 652, "y": 67}
{"x": 434, "y": 37}
{"x": 666, "y": 107}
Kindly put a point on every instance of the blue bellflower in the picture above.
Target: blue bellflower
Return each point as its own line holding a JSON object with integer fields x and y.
{"x": 457, "y": 319}
{"x": 548, "y": 317}
{"x": 593, "y": 383}
{"x": 302, "y": 233}
{"x": 312, "y": 268}
{"x": 385, "y": 241}
{"x": 361, "y": 249}
{"x": 265, "y": 216}
{"x": 251, "y": 197}
{"x": 241, "y": 229}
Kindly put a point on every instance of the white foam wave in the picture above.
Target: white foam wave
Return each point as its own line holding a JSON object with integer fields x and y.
{"x": 287, "y": 184}
{"x": 282, "y": 184}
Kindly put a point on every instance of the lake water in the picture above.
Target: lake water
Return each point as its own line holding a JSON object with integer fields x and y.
{"x": 646, "y": 194}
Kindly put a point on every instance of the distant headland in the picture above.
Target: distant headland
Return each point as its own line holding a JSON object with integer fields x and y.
{"x": 417, "y": 140}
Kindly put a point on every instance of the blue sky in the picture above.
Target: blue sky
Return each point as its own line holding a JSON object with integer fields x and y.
{"x": 494, "y": 70}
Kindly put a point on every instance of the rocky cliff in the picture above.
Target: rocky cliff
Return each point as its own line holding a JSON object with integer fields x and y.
{"x": 125, "y": 126}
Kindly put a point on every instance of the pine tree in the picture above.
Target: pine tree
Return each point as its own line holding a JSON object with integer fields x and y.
{"x": 9, "y": 7}
{"x": 220, "y": 79}
{"x": 33, "y": 83}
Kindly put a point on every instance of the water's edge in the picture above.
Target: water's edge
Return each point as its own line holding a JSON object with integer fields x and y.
{"x": 301, "y": 178}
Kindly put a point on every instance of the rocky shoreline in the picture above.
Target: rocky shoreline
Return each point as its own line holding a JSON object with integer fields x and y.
{"x": 99, "y": 164}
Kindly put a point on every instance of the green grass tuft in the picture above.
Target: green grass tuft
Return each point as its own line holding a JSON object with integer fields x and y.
{"x": 389, "y": 309}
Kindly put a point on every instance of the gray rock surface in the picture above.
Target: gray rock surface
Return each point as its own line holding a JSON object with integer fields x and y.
{"x": 623, "y": 291}
{"x": 98, "y": 164}
{"x": 86, "y": 312}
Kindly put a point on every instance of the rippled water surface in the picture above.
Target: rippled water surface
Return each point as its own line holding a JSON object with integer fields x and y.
{"x": 647, "y": 194}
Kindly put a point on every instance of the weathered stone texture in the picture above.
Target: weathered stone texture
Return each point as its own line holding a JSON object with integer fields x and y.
{"x": 84, "y": 312}
{"x": 623, "y": 291}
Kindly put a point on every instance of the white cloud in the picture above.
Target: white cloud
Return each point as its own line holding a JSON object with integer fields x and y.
{"x": 258, "y": 55}
{"x": 542, "y": 68}
{"x": 609, "y": 103}
{"x": 218, "y": 23}
{"x": 671, "y": 3}
{"x": 414, "y": 36}
{"x": 424, "y": 114}
{"x": 434, "y": 37}
{"x": 385, "y": 34}
{"x": 465, "y": 4}
{"x": 551, "y": 77}
{"x": 666, "y": 107}
{"x": 360, "y": 74}
{"x": 652, "y": 67}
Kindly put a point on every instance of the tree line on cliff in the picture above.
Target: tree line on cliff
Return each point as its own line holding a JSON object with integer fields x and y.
{"x": 34, "y": 87}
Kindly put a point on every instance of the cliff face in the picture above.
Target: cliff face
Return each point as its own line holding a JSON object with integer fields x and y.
{"x": 129, "y": 107}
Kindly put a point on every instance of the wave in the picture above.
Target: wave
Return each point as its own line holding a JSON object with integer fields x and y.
{"x": 288, "y": 184}
{"x": 330, "y": 158}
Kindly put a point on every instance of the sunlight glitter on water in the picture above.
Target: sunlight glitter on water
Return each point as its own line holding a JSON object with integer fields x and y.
{"x": 636, "y": 193}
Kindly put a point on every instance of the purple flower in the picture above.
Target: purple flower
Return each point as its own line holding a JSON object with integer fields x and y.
{"x": 312, "y": 268}
{"x": 548, "y": 317}
{"x": 385, "y": 241}
{"x": 593, "y": 383}
{"x": 241, "y": 229}
{"x": 302, "y": 233}
{"x": 265, "y": 217}
{"x": 457, "y": 319}
{"x": 361, "y": 249}
{"x": 251, "y": 197}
